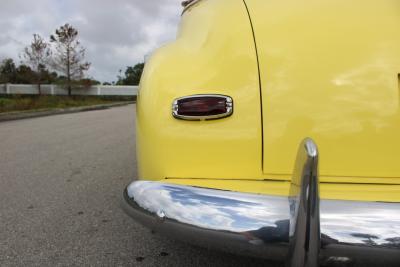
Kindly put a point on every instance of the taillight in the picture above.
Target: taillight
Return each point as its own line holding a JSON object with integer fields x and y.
{"x": 202, "y": 107}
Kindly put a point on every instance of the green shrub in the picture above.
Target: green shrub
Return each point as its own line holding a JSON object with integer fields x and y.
{"x": 21, "y": 103}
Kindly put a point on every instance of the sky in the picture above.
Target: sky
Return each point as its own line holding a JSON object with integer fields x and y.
{"x": 116, "y": 33}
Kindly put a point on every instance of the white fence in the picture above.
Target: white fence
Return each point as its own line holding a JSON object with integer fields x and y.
{"x": 51, "y": 89}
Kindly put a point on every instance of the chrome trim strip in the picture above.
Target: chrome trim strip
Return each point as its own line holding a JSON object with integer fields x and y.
{"x": 187, "y": 4}
{"x": 229, "y": 108}
{"x": 304, "y": 234}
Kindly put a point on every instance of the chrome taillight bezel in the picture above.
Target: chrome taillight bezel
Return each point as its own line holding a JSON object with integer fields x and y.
{"x": 229, "y": 108}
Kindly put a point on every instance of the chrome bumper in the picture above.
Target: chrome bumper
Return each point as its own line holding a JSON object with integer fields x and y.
{"x": 300, "y": 229}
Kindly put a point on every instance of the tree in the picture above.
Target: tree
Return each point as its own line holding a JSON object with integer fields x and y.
{"x": 69, "y": 55}
{"x": 24, "y": 74}
{"x": 132, "y": 75}
{"x": 88, "y": 82}
{"x": 8, "y": 71}
{"x": 37, "y": 56}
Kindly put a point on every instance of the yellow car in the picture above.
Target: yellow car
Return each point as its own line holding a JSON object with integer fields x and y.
{"x": 272, "y": 128}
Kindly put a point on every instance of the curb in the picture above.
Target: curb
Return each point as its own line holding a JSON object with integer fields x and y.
{"x": 10, "y": 116}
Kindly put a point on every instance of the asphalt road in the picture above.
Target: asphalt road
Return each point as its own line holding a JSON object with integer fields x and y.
{"x": 61, "y": 179}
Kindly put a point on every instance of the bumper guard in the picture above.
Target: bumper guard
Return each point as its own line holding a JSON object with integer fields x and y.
{"x": 300, "y": 229}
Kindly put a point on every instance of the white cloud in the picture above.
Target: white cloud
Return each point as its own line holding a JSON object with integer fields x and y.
{"x": 116, "y": 33}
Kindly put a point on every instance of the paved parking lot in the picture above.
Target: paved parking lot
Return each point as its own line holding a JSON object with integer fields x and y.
{"x": 61, "y": 179}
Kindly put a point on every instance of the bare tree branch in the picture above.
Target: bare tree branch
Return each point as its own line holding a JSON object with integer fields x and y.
{"x": 37, "y": 55}
{"x": 69, "y": 55}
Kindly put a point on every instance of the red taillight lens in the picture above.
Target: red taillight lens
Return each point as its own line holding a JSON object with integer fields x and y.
{"x": 203, "y": 107}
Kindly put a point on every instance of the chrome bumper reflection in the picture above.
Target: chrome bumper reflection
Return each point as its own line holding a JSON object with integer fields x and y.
{"x": 259, "y": 225}
{"x": 301, "y": 229}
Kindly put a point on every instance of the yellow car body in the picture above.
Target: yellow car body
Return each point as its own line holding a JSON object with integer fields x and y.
{"x": 327, "y": 70}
